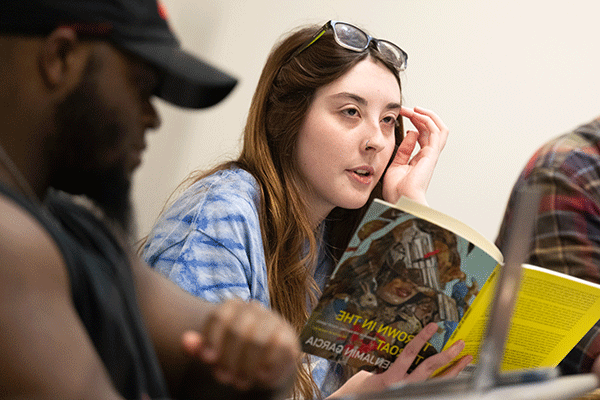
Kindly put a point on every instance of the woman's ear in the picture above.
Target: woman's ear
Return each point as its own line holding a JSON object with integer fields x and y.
{"x": 58, "y": 61}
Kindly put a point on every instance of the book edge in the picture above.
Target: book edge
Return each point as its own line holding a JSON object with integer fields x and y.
{"x": 447, "y": 222}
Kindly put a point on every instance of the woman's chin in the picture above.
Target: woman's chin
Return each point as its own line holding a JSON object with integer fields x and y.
{"x": 354, "y": 202}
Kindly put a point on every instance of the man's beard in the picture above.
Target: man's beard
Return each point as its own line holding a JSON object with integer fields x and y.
{"x": 110, "y": 190}
{"x": 85, "y": 129}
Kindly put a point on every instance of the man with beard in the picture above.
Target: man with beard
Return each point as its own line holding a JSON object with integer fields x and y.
{"x": 80, "y": 315}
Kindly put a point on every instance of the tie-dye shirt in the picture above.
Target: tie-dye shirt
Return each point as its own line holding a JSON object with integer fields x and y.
{"x": 209, "y": 242}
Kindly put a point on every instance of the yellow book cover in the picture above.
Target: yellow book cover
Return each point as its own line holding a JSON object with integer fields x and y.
{"x": 553, "y": 311}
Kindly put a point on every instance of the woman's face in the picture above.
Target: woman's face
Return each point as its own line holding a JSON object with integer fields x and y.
{"x": 333, "y": 158}
{"x": 397, "y": 291}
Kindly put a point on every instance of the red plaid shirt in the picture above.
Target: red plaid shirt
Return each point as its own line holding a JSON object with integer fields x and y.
{"x": 567, "y": 231}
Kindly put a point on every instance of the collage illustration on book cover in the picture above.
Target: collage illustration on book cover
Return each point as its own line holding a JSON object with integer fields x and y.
{"x": 399, "y": 273}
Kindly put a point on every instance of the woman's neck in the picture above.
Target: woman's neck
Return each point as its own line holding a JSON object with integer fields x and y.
{"x": 316, "y": 217}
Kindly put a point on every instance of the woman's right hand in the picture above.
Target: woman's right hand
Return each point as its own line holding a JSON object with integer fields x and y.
{"x": 364, "y": 382}
{"x": 409, "y": 175}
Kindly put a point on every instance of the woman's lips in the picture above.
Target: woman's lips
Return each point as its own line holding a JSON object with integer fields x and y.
{"x": 362, "y": 174}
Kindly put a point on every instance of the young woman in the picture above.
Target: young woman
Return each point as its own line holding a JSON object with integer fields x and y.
{"x": 324, "y": 136}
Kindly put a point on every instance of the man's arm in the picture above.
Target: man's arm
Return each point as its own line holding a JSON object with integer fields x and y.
{"x": 45, "y": 351}
{"x": 243, "y": 343}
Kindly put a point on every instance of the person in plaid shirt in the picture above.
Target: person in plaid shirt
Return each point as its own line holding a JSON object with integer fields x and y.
{"x": 567, "y": 230}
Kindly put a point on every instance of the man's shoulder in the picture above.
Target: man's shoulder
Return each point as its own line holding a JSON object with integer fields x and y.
{"x": 21, "y": 222}
{"x": 28, "y": 249}
{"x": 59, "y": 234}
{"x": 569, "y": 151}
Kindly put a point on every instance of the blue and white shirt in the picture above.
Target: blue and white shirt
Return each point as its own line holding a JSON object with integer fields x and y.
{"x": 209, "y": 242}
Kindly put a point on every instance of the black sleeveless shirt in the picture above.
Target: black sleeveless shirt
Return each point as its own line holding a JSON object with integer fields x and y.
{"x": 103, "y": 293}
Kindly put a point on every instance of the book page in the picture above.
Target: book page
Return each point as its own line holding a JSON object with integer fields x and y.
{"x": 553, "y": 312}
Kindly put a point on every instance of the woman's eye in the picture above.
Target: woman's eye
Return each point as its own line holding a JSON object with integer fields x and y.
{"x": 352, "y": 112}
{"x": 389, "y": 120}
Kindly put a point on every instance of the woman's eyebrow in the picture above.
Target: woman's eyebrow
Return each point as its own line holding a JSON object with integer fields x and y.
{"x": 393, "y": 106}
{"x": 362, "y": 101}
{"x": 352, "y": 96}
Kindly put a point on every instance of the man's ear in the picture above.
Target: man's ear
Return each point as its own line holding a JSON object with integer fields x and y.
{"x": 60, "y": 58}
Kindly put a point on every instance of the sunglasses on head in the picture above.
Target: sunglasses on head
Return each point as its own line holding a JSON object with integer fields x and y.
{"x": 352, "y": 38}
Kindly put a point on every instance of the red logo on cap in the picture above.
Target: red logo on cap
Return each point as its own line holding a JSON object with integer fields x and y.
{"x": 162, "y": 10}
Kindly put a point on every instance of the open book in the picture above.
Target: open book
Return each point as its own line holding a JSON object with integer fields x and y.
{"x": 553, "y": 311}
{"x": 408, "y": 265}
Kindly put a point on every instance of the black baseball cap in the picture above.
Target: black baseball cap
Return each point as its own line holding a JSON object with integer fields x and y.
{"x": 139, "y": 27}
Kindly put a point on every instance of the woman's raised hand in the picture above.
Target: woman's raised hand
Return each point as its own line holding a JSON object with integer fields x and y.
{"x": 409, "y": 175}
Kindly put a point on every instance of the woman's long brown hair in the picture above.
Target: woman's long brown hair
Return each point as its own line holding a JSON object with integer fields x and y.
{"x": 284, "y": 93}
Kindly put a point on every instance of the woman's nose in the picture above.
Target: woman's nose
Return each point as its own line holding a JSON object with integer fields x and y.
{"x": 374, "y": 140}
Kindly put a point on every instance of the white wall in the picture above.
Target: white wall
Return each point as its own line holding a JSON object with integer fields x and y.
{"x": 505, "y": 76}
